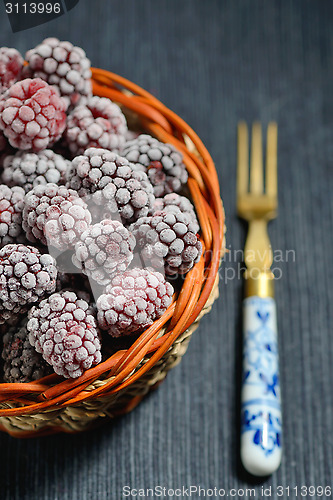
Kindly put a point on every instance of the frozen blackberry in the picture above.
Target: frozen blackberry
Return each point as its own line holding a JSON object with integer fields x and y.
{"x": 62, "y": 329}
{"x": 133, "y": 301}
{"x": 98, "y": 123}
{"x": 162, "y": 162}
{"x": 11, "y": 206}
{"x": 55, "y": 216}
{"x": 26, "y": 276}
{"x": 32, "y": 169}
{"x": 32, "y": 115}
{"x": 22, "y": 363}
{"x": 169, "y": 239}
{"x": 112, "y": 183}
{"x": 105, "y": 249}
{"x": 173, "y": 201}
{"x": 61, "y": 64}
{"x": 11, "y": 65}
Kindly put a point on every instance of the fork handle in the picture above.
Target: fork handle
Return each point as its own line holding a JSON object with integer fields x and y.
{"x": 261, "y": 418}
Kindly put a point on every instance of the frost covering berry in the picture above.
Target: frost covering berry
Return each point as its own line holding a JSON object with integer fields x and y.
{"x": 26, "y": 276}
{"x": 32, "y": 169}
{"x": 97, "y": 123}
{"x": 22, "y": 363}
{"x": 162, "y": 163}
{"x": 63, "y": 65}
{"x": 32, "y": 115}
{"x": 112, "y": 183}
{"x": 132, "y": 301}
{"x": 175, "y": 202}
{"x": 11, "y": 65}
{"x": 62, "y": 329}
{"x": 11, "y": 206}
{"x": 169, "y": 240}
{"x": 105, "y": 249}
{"x": 55, "y": 215}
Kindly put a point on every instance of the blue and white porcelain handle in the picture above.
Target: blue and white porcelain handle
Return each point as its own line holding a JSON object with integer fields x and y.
{"x": 261, "y": 419}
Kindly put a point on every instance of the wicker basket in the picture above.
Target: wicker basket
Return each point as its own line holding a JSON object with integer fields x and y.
{"x": 118, "y": 384}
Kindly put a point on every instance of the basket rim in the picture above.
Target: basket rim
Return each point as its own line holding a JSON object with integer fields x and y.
{"x": 121, "y": 369}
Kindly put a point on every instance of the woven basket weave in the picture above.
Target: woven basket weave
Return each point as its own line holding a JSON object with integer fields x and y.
{"x": 118, "y": 384}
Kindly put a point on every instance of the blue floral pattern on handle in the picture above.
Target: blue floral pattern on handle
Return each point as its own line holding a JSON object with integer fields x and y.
{"x": 261, "y": 408}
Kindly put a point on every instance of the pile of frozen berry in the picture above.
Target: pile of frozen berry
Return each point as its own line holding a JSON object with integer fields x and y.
{"x": 94, "y": 228}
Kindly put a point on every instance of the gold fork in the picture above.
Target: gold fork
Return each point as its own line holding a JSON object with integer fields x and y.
{"x": 257, "y": 202}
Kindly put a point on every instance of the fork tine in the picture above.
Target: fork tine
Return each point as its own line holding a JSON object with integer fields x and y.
{"x": 271, "y": 160}
{"x": 242, "y": 159}
{"x": 256, "y": 166}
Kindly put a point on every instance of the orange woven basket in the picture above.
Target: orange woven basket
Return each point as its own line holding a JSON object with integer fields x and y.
{"x": 118, "y": 384}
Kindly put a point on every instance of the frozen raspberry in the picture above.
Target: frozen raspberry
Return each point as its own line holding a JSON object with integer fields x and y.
{"x": 113, "y": 184}
{"x": 169, "y": 238}
{"x": 32, "y": 169}
{"x": 174, "y": 202}
{"x": 32, "y": 115}
{"x": 26, "y": 276}
{"x": 11, "y": 206}
{"x": 11, "y": 65}
{"x": 62, "y": 329}
{"x": 133, "y": 301}
{"x": 105, "y": 250}
{"x": 54, "y": 215}
{"x": 162, "y": 162}
{"x": 61, "y": 64}
{"x": 99, "y": 123}
{"x": 21, "y": 361}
